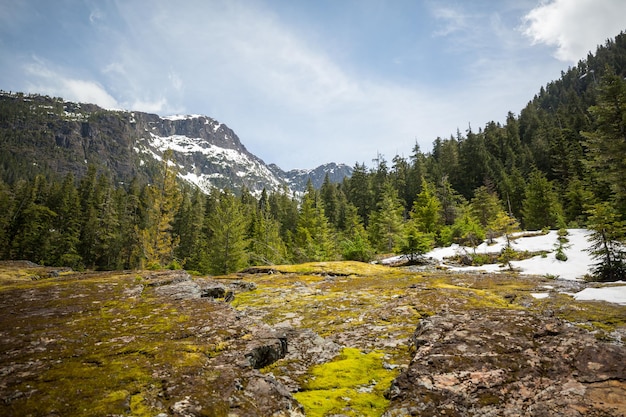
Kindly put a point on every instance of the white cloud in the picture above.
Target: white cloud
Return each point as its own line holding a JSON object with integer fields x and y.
{"x": 575, "y": 27}
{"x": 150, "y": 106}
{"x": 47, "y": 80}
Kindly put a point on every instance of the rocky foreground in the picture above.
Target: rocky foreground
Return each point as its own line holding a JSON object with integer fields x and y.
{"x": 341, "y": 339}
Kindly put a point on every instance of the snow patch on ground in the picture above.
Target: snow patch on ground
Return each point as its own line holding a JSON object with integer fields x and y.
{"x": 616, "y": 294}
{"x": 578, "y": 264}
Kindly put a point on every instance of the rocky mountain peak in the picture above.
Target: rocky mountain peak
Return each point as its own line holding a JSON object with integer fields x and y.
{"x": 67, "y": 136}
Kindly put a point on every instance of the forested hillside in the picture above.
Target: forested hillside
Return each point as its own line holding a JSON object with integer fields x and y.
{"x": 559, "y": 163}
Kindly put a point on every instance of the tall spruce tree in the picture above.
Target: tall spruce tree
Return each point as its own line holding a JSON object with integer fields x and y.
{"x": 426, "y": 211}
{"x": 541, "y": 207}
{"x": 227, "y": 243}
{"x": 313, "y": 239}
{"x": 387, "y": 222}
{"x": 66, "y": 237}
{"x": 7, "y": 207}
{"x": 608, "y": 234}
{"x": 163, "y": 200}
{"x": 266, "y": 245}
{"x": 607, "y": 143}
{"x": 188, "y": 226}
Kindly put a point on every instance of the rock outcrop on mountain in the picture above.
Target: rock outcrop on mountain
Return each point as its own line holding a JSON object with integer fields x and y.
{"x": 298, "y": 178}
{"x": 40, "y": 134}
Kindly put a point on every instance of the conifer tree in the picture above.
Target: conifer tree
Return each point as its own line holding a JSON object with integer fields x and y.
{"x": 131, "y": 223}
{"x": 426, "y": 211}
{"x": 66, "y": 237}
{"x": 284, "y": 209}
{"x": 451, "y": 201}
{"x": 7, "y": 207}
{"x": 33, "y": 222}
{"x": 108, "y": 239}
{"x": 400, "y": 178}
{"x": 541, "y": 207}
{"x": 415, "y": 242}
{"x": 313, "y": 237}
{"x": 188, "y": 226}
{"x": 355, "y": 244}
{"x": 89, "y": 217}
{"x": 608, "y": 234}
{"x": 163, "y": 200}
{"x": 485, "y": 205}
{"x": 227, "y": 243}
{"x": 359, "y": 192}
{"x": 266, "y": 245}
{"x": 415, "y": 176}
{"x": 504, "y": 224}
{"x": 386, "y": 223}
{"x": 466, "y": 230}
{"x": 607, "y": 143}
{"x": 330, "y": 199}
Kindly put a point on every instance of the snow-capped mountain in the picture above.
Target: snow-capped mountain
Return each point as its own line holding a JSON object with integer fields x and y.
{"x": 297, "y": 178}
{"x": 66, "y": 137}
{"x": 207, "y": 153}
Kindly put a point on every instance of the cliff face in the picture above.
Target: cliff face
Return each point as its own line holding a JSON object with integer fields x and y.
{"x": 48, "y": 135}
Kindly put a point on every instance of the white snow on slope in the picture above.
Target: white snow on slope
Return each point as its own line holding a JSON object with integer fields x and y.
{"x": 217, "y": 155}
{"x": 578, "y": 264}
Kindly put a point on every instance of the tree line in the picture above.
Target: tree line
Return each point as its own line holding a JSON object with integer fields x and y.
{"x": 559, "y": 164}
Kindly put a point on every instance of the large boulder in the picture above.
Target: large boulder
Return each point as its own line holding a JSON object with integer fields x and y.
{"x": 509, "y": 363}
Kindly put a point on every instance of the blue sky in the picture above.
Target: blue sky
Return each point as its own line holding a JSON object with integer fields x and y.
{"x": 305, "y": 82}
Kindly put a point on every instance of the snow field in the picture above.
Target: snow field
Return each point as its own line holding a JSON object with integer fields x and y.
{"x": 578, "y": 264}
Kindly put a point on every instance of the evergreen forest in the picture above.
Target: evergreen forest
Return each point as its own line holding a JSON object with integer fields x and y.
{"x": 560, "y": 163}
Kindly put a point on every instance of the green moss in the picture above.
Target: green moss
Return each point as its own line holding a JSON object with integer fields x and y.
{"x": 353, "y": 384}
{"x": 139, "y": 408}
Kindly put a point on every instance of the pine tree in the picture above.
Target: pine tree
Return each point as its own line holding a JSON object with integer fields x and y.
{"x": 541, "y": 207}
{"x": 466, "y": 231}
{"x": 355, "y": 244}
{"x": 132, "y": 215}
{"x": 426, "y": 211}
{"x": 450, "y": 200}
{"x": 313, "y": 237}
{"x": 33, "y": 221}
{"x": 386, "y": 223}
{"x": 485, "y": 205}
{"x": 414, "y": 242}
{"x": 227, "y": 240}
{"x": 108, "y": 243}
{"x": 163, "y": 200}
{"x": 608, "y": 234}
{"x": 66, "y": 238}
{"x": 504, "y": 224}
{"x": 188, "y": 227}
{"x": 7, "y": 208}
{"x": 359, "y": 192}
{"x": 89, "y": 217}
{"x": 266, "y": 245}
{"x": 330, "y": 199}
{"x": 607, "y": 143}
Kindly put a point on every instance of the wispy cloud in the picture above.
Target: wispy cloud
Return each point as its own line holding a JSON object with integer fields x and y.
{"x": 451, "y": 20}
{"x": 282, "y": 81}
{"x": 575, "y": 27}
{"x": 47, "y": 80}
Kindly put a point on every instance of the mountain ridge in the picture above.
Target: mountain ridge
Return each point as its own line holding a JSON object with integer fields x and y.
{"x": 53, "y": 135}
